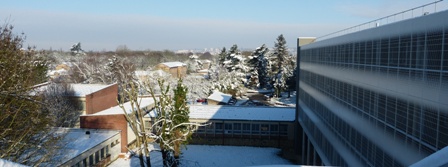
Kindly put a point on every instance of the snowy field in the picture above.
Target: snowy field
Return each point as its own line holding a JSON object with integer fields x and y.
{"x": 217, "y": 156}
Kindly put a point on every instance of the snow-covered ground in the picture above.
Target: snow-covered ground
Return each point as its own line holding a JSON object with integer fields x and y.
{"x": 216, "y": 156}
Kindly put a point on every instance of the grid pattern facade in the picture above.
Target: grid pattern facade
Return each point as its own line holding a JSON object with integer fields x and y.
{"x": 420, "y": 56}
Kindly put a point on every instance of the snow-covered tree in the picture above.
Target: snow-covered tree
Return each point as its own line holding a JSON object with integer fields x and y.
{"x": 235, "y": 60}
{"x": 280, "y": 68}
{"x": 24, "y": 126}
{"x": 193, "y": 64}
{"x": 222, "y": 56}
{"x": 170, "y": 128}
{"x": 257, "y": 64}
{"x": 76, "y": 49}
{"x": 63, "y": 111}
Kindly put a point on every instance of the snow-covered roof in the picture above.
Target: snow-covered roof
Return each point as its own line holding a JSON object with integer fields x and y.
{"x": 174, "y": 64}
{"x": 242, "y": 113}
{"x": 220, "y": 97}
{"x": 144, "y": 102}
{"x": 75, "y": 142}
{"x": 82, "y": 90}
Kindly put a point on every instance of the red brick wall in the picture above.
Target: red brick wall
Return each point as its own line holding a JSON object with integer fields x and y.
{"x": 102, "y": 99}
{"x": 115, "y": 122}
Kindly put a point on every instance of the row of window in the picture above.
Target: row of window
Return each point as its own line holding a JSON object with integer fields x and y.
{"x": 367, "y": 152}
{"x": 97, "y": 157}
{"x": 415, "y": 123}
{"x": 243, "y": 128}
{"x": 418, "y": 51}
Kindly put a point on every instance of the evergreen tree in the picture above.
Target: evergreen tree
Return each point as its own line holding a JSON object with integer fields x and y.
{"x": 280, "y": 73}
{"x": 25, "y": 133}
{"x": 258, "y": 67}
{"x": 222, "y": 56}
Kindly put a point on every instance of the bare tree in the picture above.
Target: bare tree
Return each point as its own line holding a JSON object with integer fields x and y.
{"x": 63, "y": 110}
{"x": 171, "y": 127}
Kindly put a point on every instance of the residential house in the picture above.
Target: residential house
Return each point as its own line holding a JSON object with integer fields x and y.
{"x": 176, "y": 69}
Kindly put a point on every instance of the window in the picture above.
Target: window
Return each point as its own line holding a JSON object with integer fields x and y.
{"x": 228, "y": 128}
{"x": 102, "y": 153}
{"x": 274, "y": 129}
{"x": 210, "y": 128}
{"x": 91, "y": 160}
{"x": 200, "y": 129}
{"x": 255, "y": 128}
{"x": 218, "y": 128}
{"x": 246, "y": 128}
{"x": 264, "y": 128}
{"x": 97, "y": 156}
{"x": 237, "y": 128}
{"x": 283, "y": 129}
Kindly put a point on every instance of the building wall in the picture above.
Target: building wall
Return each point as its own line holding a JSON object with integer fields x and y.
{"x": 376, "y": 97}
{"x": 102, "y": 99}
{"x": 180, "y": 71}
{"x": 115, "y": 122}
{"x": 244, "y": 133}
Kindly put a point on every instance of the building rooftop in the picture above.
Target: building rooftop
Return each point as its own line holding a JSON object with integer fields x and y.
{"x": 144, "y": 102}
{"x": 220, "y": 97}
{"x": 80, "y": 90}
{"x": 174, "y": 64}
{"x": 242, "y": 113}
{"x": 86, "y": 89}
{"x": 75, "y": 142}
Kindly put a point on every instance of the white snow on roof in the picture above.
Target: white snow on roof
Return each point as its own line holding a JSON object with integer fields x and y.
{"x": 76, "y": 142}
{"x": 174, "y": 64}
{"x": 80, "y": 90}
{"x": 86, "y": 89}
{"x": 242, "y": 113}
{"x": 220, "y": 97}
{"x": 144, "y": 102}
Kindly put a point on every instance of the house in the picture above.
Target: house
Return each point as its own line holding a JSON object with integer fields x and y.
{"x": 176, "y": 69}
{"x": 218, "y": 98}
{"x": 113, "y": 118}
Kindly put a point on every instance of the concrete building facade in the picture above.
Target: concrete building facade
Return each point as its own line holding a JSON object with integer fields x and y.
{"x": 376, "y": 97}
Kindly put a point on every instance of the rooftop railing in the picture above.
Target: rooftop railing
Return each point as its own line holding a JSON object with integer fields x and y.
{"x": 404, "y": 15}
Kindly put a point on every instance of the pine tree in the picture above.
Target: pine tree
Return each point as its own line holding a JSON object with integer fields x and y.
{"x": 278, "y": 68}
{"x": 222, "y": 56}
{"x": 258, "y": 67}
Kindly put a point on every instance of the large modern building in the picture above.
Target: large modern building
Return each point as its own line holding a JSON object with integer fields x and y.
{"x": 375, "y": 97}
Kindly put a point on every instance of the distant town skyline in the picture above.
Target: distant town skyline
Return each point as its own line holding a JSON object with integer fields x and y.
{"x": 176, "y": 25}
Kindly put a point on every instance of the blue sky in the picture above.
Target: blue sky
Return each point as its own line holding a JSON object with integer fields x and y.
{"x": 192, "y": 24}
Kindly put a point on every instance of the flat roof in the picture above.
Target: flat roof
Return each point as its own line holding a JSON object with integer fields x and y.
{"x": 144, "y": 102}
{"x": 80, "y": 90}
{"x": 220, "y": 97}
{"x": 86, "y": 89}
{"x": 174, "y": 64}
{"x": 75, "y": 141}
{"x": 242, "y": 113}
